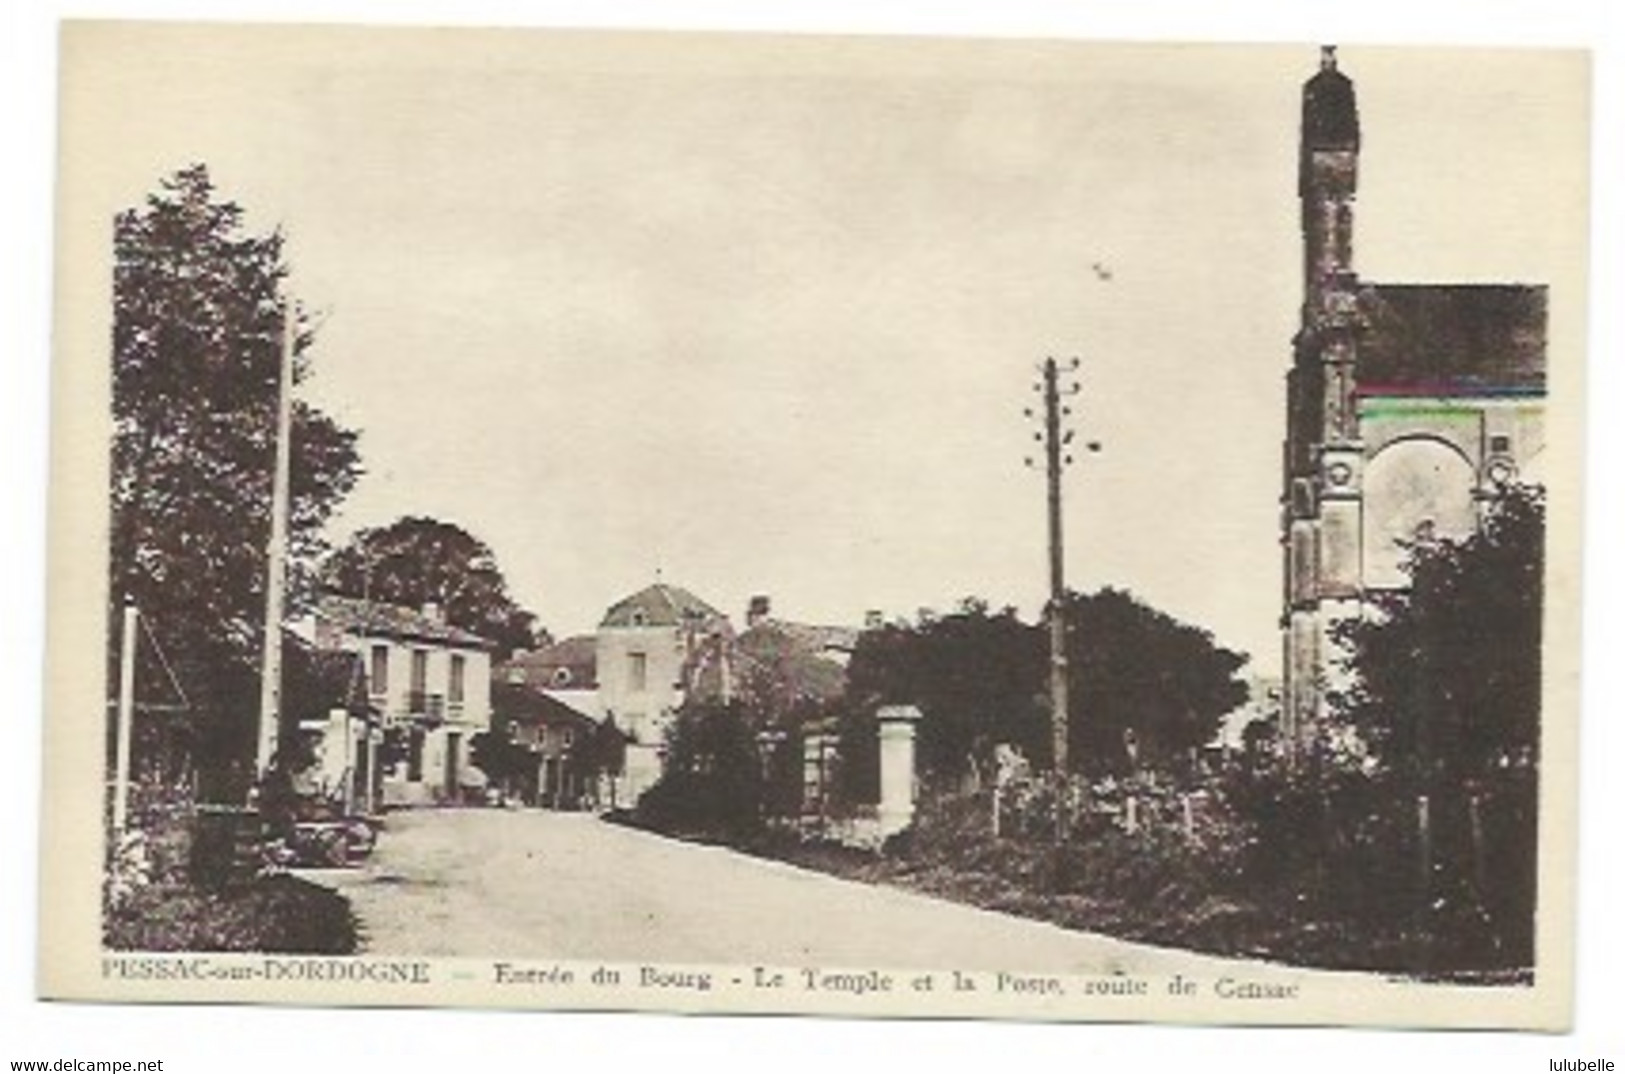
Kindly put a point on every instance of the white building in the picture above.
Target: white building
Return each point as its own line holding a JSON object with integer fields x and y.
{"x": 653, "y": 648}
{"x": 431, "y": 683}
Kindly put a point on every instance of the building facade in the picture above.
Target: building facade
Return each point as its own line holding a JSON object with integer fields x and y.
{"x": 1410, "y": 408}
{"x": 430, "y": 683}
{"x": 654, "y": 647}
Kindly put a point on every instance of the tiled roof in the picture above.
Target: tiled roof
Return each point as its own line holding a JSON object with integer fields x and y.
{"x": 815, "y": 638}
{"x": 790, "y": 655}
{"x": 660, "y": 605}
{"x": 373, "y": 619}
{"x": 513, "y": 702}
{"x": 575, "y": 657}
{"x": 1452, "y": 339}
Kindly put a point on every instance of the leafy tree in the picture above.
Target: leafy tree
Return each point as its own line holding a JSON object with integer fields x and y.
{"x": 980, "y": 677}
{"x": 605, "y": 749}
{"x": 1445, "y": 703}
{"x": 1143, "y": 687}
{"x": 976, "y": 675}
{"x": 197, "y": 339}
{"x": 1447, "y": 674}
{"x": 414, "y": 561}
{"x": 712, "y": 783}
{"x": 505, "y": 763}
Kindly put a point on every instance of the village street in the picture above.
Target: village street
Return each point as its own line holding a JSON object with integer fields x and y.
{"x": 534, "y": 884}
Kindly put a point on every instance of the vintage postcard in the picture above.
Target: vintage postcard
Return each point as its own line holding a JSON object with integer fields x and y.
{"x": 860, "y": 526}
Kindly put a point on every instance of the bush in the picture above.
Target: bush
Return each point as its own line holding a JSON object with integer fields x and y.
{"x": 277, "y": 914}
{"x": 152, "y": 902}
{"x": 1315, "y": 870}
{"x": 1342, "y": 850}
{"x": 712, "y": 786}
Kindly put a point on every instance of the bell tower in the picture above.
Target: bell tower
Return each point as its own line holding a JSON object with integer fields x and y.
{"x": 1321, "y": 494}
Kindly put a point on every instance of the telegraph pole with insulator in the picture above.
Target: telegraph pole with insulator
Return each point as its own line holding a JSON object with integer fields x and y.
{"x": 1057, "y": 439}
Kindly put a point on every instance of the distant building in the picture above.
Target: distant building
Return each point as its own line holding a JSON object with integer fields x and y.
{"x": 653, "y": 648}
{"x": 429, "y": 681}
{"x": 566, "y": 671}
{"x": 834, "y": 644}
{"x": 785, "y": 670}
{"x": 565, "y": 759}
{"x": 657, "y": 649}
{"x": 1409, "y": 409}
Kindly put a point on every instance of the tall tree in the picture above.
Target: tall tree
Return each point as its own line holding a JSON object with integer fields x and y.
{"x": 977, "y": 676}
{"x": 1447, "y": 674}
{"x": 1145, "y": 688}
{"x": 415, "y": 561}
{"x": 197, "y": 341}
{"x": 712, "y": 782}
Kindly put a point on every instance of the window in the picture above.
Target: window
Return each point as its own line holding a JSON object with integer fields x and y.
{"x": 378, "y": 677}
{"x": 568, "y": 738}
{"x": 1500, "y": 444}
{"x": 561, "y": 677}
{"x": 640, "y": 671}
{"x": 454, "y": 689}
{"x": 420, "y": 671}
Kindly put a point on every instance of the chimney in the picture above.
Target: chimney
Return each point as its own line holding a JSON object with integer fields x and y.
{"x": 433, "y": 612}
{"x": 874, "y": 619}
{"x": 761, "y": 605}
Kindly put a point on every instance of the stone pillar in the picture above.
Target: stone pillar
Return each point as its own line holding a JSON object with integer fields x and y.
{"x": 897, "y": 723}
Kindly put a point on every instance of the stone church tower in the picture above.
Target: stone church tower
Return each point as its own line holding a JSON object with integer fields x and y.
{"x": 1409, "y": 406}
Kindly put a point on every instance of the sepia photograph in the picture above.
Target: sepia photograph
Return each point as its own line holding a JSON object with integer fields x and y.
{"x": 866, "y": 526}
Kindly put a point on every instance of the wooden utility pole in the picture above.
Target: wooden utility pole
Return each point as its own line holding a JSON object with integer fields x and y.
{"x": 276, "y": 554}
{"x": 1055, "y": 613}
{"x": 1055, "y": 438}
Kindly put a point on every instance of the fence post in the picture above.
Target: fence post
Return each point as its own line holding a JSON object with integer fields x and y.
{"x": 126, "y": 719}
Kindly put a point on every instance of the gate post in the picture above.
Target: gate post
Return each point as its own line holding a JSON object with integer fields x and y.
{"x": 897, "y": 724}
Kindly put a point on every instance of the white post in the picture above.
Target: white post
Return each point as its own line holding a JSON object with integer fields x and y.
{"x": 897, "y": 724}
{"x": 276, "y": 553}
{"x": 126, "y": 714}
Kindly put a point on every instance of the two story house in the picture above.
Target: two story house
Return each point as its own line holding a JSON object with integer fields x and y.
{"x": 431, "y": 684}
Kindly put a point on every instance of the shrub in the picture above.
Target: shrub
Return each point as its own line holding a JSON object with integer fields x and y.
{"x": 712, "y": 784}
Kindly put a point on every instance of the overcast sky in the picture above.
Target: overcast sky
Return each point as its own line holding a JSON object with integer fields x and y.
{"x": 763, "y": 314}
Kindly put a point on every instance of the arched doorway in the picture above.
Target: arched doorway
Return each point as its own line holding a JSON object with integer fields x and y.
{"x": 1415, "y": 489}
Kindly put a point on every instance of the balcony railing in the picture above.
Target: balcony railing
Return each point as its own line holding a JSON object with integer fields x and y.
{"x": 423, "y": 705}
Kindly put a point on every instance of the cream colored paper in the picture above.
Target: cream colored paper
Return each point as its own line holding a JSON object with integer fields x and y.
{"x": 1440, "y": 202}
